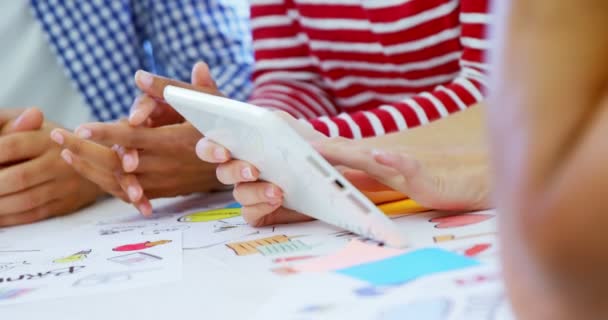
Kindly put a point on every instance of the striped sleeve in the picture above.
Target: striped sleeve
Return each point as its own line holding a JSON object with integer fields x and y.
{"x": 285, "y": 75}
{"x": 464, "y": 91}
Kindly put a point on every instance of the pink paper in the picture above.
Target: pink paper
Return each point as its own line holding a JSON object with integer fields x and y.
{"x": 355, "y": 253}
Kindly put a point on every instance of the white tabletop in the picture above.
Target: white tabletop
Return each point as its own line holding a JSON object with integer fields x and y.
{"x": 216, "y": 288}
{"x": 208, "y": 289}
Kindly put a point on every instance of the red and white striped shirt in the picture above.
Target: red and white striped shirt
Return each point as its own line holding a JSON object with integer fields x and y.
{"x": 359, "y": 68}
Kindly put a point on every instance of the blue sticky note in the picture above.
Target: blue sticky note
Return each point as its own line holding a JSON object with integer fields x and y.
{"x": 234, "y": 205}
{"x": 408, "y": 266}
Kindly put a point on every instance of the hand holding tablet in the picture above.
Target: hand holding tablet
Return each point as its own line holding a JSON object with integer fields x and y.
{"x": 310, "y": 184}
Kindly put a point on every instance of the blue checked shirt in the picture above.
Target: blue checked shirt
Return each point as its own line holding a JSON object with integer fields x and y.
{"x": 102, "y": 43}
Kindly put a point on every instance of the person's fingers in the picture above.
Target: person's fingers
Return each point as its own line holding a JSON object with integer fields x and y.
{"x": 415, "y": 178}
{"x": 102, "y": 177}
{"x": 266, "y": 214}
{"x": 144, "y": 207}
{"x": 29, "y": 199}
{"x": 164, "y": 115}
{"x": 355, "y": 158}
{"x": 463, "y": 188}
{"x": 373, "y": 189}
{"x": 34, "y": 215}
{"x": 129, "y": 183}
{"x": 211, "y": 152}
{"x": 129, "y": 158}
{"x": 8, "y": 114}
{"x": 27, "y": 174}
{"x": 201, "y": 76}
{"x": 150, "y": 163}
{"x": 154, "y": 85}
{"x": 109, "y": 134}
{"x": 363, "y": 181}
{"x": 150, "y": 112}
{"x": 429, "y": 190}
{"x": 29, "y": 119}
{"x": 302, "y": 127}
{"x": 142, "y": 107}
{"x": 162, "y": 138}
{"x": 254, "y": 214}
{"x": 235, "y": 171}
{"x": 252, "y": 193}
{"x": 100, "y": 156}
{"x": 131, "y": 186}
{"x": 23, "y": 145}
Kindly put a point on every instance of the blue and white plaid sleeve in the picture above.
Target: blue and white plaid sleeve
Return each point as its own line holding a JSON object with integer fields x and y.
{"x": 182, "y": 32}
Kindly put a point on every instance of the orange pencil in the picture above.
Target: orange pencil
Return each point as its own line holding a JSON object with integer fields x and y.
{"x": 401, "y": 207}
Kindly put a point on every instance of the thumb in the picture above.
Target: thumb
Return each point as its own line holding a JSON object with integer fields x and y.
{"x": 30, "y": 119}
{"x": 201, "y": 76}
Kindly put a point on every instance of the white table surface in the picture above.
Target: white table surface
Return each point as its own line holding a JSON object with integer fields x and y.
{"x": 208, "y": 289}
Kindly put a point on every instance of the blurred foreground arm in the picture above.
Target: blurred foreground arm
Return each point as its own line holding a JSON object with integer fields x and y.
{"x": 549, "y": 119}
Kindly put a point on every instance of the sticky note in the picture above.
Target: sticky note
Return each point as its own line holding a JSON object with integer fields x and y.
{"x": 354, "y": 253}
{"x": 234, "y": 205}
{"x": 408, "y": 266}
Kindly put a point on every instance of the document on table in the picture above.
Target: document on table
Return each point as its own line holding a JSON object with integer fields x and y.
{"x": 475, "y": 293}
{"x": 90, "y": 265}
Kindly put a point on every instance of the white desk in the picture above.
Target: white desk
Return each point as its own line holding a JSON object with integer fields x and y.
{"x": 212, "y": 289}
{"x": 208, "y": 289}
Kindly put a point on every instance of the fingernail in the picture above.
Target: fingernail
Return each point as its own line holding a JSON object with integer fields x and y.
{"x": 84, "y": 133}
{"x": 57, "y": 137}
{"x": 247, "y": 173}
{"x": 133, "y": 193}
{"x": 145, "y": 209}
{"x": 18, "y": 120}
{"x": 128, "y": 161}
{"x": 135, "y": 117}
{"x": 67, "y": 157}
{"x": 271, "y": 192}
{"x": 200, "y": 64}
{"x": 219, "y": 154}
{"x": 144, "y": 78}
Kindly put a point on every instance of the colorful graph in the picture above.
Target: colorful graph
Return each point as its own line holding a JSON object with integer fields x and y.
{"x": 283, "y": 248}
{"x": 245, "y": 248}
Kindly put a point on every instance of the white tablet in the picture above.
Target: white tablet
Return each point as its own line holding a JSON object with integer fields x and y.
{"x": 310, "y": 184}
